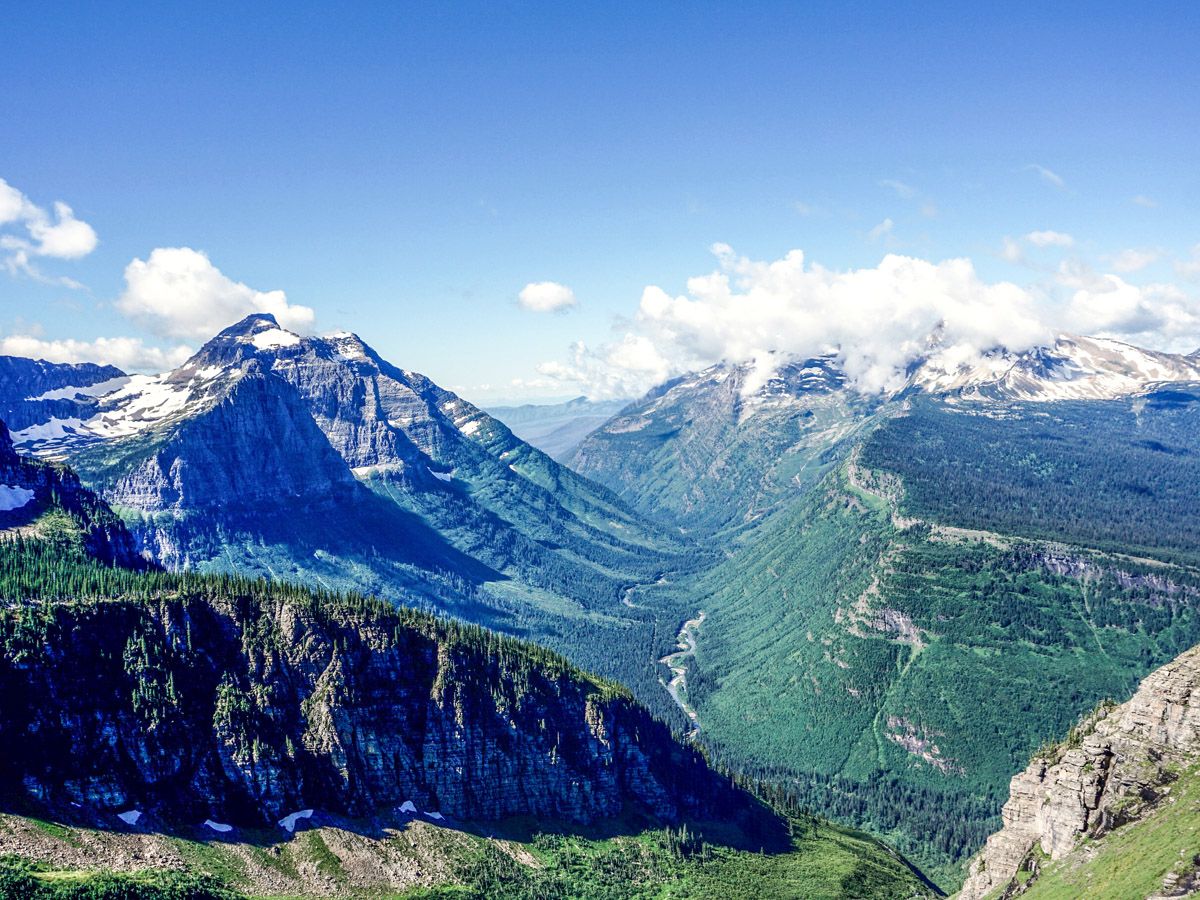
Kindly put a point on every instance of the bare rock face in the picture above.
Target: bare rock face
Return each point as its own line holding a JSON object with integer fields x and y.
{"x": 1108, "y": 771}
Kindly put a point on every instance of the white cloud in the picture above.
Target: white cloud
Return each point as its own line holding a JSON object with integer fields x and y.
{"x": 1143, "y": 200}
{"x": 1050, "y": 239}
{"x": 126, "y": 353}
{"x": 1157, "y": 314}
{"x": 877, "y": 320}
{"x": 1134, "y": 260}
{"x": 546, "y": 296}
{"x": 27, "y": 231}
{"x": 882, "y": 230}
{"x": 178, "y": 293}
{"x": 1049, "y": 177}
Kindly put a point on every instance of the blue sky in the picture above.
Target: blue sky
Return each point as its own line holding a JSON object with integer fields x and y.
{"x": 405, "y": 170}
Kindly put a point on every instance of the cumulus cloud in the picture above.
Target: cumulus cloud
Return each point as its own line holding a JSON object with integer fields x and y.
{"x": 1050, "y": 239}
{"x": 546, "y": 296}
{"x": 126, "y": 353}
{"x": 27, "y": 232}
{"x": 1158, "y": 314}
{"x": 178, "y": 293}
{"x": 877, "y": 321}
{"x": 1048, "y": 176}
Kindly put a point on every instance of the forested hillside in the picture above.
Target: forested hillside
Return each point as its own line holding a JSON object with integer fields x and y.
{"x": 896, "y": 642}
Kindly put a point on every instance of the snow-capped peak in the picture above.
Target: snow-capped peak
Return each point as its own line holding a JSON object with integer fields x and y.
{"x": 1074, "y": 368}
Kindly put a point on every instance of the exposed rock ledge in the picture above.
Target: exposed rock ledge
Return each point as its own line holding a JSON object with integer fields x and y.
{"x": 1109, "y": 770}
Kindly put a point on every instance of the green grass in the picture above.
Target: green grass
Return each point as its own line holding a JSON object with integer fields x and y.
{"x": 213, "y": 859}
{"x": 824, "y": 861}
{"x": 20, "y": 880}
{"x": 59, "y": 832}
{"x": 327, "y": 862}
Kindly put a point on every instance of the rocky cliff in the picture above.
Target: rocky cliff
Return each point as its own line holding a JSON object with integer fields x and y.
{"x": 1113, "y": 771}
{"x": 241, "y": 702}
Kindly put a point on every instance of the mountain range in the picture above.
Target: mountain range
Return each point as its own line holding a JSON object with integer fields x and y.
{"x": 313, "y": 459}
{"x": 872, "y": 606}
{"x": 557, "y": 428}
{"x": 921, "y": 587}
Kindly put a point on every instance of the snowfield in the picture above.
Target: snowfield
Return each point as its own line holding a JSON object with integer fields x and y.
{"x": 13, "y": 497}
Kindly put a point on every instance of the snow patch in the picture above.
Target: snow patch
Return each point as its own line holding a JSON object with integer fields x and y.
{"x": 274, "y": 337}
{"x": 217, "y": 826}
{"x": 54, "y": 430}
{"x": 288, "y": 822}
{"x": 469, "y": 428}
{"x": 441, "y": 476}
{"x": 408, "y": 807}
{"x": 99, "y": 389}
{"x": 13, "y": 497}
{"x": 130, "y": 816}
{"x": 435, "y": 815}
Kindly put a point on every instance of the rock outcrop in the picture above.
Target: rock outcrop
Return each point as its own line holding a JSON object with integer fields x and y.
{"x": 1114, "y": 765}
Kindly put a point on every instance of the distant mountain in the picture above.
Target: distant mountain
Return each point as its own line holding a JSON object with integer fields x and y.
{"x": 557, "y": 428}
{"x": 1113, "y": 811}
{"x": 1075, "y": 368}
{"x": 706, "y": 453}
{"x": 313, "y": 459}
{"x": 716, "y": 449}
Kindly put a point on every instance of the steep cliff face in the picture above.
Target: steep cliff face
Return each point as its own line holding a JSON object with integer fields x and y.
{"x": 243, "y": 703}
{"x": 1111, "y": 774}
{"x": 256, "y": 447}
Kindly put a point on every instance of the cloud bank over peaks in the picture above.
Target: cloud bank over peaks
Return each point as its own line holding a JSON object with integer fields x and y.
{"x": 130, "y": 354}
{"x": 877, "y": 321}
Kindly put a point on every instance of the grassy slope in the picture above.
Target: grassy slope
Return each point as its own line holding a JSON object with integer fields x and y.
{"x": 1133, "y": 860}
{"x": 420, "y": 859}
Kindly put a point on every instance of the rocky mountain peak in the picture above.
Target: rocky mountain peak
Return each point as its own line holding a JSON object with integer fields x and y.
{"x": 256, "y": 334}
{"x": 1073, "y": 368}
